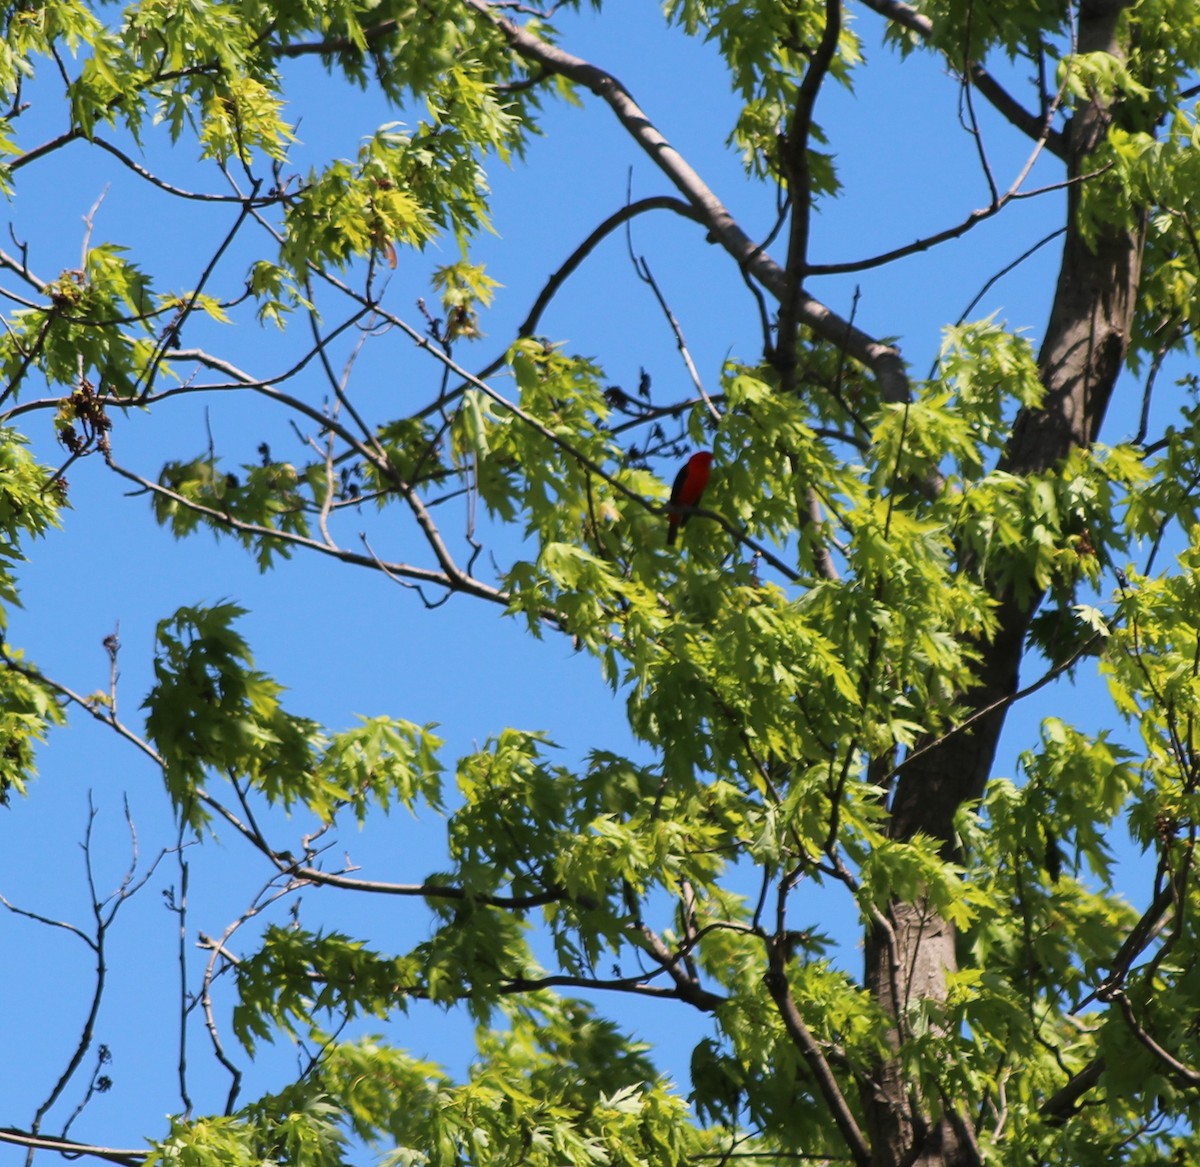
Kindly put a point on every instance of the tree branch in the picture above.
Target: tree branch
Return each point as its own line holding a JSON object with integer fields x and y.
{"x": 556, "y": 439}
{"x": 883, "y": 360}
{"x": 71, "y": 1149}
{"x": 337, "y": 44}
{"x": 810, "y": 1050}
{"x": 961, "y": 228}
{"x": 794, "y": 161}
{"x": 177, "y": 191}
{"x": 98, "y": 947}
{"x": 1176, "y": 1069}
{"x": 687, "y": 988}
{"x": 1063, "y": 1103}
{"x": 702, "y": 1000}
{"x": 571, "y": 264}
{"x": 1001, "y": 100}
{"x": 455, "y": 580}
{"x": 616, "y": 219}
{"x": 45, "y": 148}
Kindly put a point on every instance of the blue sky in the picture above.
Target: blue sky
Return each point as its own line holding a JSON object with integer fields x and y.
{"x": 349, "y": 643}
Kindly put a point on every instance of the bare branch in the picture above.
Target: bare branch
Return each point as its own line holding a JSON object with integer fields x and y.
{"x": 647, "y": 277}
{"x": 87, "y": 1032}
{"x": 794, "y": 163}
{"x": 71, "y": 1149}
{"x": 958, "y": 229}
{"x": 453, "y": 581}
{"x": 179, "y": 904}
{"x": 170, "y": 335}
{"x": 884, "y": 360}
{"x": 572, "y": 262}
{"x": 49, "y": 921}
{"x": 96, "y": 710}
{"x": 1002, "y": 101}
{"x": 266, "y": 897}
{"x": 177, "y": 191}
{"x": 45, "y": 148}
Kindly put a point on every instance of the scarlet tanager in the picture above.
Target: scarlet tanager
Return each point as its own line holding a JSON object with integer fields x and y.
{"x": 689, "y": 486}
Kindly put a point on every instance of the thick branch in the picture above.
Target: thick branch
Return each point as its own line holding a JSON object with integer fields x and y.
{"x": 1063, "y": 1103}
{"x": 799, "y": 182}
{"x": 686, "y": 987}
{"x": 810, "y": 1051}
{"x": 883, "y": 360}
{"x": 1001, "y": 100}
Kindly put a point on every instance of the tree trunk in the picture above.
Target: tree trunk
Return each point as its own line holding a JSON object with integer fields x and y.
{"x": 1082, "y": 355}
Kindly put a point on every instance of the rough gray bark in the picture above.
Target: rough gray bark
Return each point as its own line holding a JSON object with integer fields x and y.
{"x": 1081, "y": 357}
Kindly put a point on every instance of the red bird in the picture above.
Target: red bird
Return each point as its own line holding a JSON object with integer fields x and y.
{"x": 689, "y": 486}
